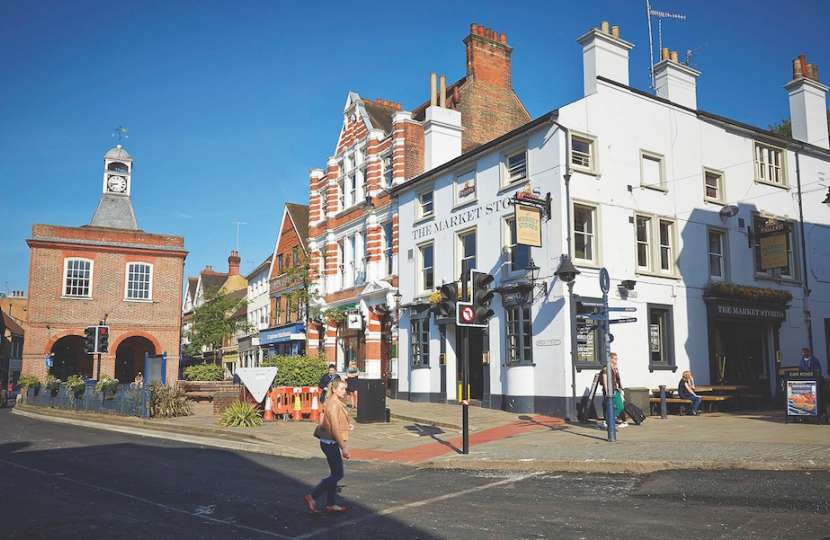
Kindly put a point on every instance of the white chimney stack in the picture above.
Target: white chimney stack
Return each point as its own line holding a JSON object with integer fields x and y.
{"x": 442, "y": 132}
{"x": 808, "y": 104}
{"x": 674, "y": 81}
{"x": 604, "y": 54}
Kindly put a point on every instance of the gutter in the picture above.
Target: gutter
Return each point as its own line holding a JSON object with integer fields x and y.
{"x": 805, "y": 282}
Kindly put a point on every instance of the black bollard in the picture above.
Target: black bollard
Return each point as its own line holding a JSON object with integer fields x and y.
{"x": 663, "y": 414}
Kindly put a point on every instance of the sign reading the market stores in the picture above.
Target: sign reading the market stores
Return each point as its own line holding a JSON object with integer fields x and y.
{"x": 774, "y": 252}
{"x": 528, "y": 225}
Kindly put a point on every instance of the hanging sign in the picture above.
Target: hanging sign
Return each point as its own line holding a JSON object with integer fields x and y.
{"x": 528, "y": 225}
{"x": 354, "y": 321}
{"x": 774, "y": 252}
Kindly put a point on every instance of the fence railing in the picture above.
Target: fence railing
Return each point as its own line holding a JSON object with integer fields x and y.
{"x": 126, "y": 400}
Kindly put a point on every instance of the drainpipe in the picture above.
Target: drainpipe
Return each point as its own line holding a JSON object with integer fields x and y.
{"x": 572, "y": 310}
{"x": 806, "y": 305}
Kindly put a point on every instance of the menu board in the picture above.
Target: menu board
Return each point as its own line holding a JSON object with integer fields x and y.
{"x": 801, "y": 398}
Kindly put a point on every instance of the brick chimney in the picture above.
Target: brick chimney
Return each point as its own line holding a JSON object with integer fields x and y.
{"x": 604, "y": 54}
{"x": 674, "y": 81}
{"x": 808, "y": 104}
{"x": 488, "y": 56}
{"x": 233, "y": 264}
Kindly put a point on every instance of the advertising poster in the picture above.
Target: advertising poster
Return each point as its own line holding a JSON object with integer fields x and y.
{"x": 774, "y": 252}
{"x": 801, "y": 398}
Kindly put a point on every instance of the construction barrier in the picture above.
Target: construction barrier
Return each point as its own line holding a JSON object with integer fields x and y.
{"x": 298, "y": 402}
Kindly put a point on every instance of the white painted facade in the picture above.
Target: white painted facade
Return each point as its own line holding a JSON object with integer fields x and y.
{"x": 657, "y": 181}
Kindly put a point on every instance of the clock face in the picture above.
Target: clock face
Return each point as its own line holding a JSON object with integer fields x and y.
{"x": 118, "y": 184}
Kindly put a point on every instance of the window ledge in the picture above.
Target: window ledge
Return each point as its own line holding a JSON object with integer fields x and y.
{"x": 67, "y": 297}
{"x": 582, "y": 263}
{"x": 780, "y": 280}
{"x": 513, "y": 185}
{"x": 662, "y": 368}
{"x": 414, "y": 366}
{"x": 589, "y": 365}
{"x": 585, "y": 170}
{"x": 713, "y": 201}
{"x": 782, "y": 185}
{"x": 519, "y": 364}
{"x": 139, "y": 300}
{"x": 656, "y": 274}
{"x": 663, "y": 190}
{"x": 464, "y": 204}
{"x": 424, "y": 219}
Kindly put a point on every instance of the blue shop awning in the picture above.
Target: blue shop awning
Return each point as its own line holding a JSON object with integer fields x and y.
{"x": 293, "y": 332}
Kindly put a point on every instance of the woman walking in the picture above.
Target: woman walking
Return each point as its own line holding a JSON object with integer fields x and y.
{"x": 333, "y": 431}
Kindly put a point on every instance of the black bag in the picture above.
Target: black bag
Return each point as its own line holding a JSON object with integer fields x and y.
{"x": 635, "y": 412}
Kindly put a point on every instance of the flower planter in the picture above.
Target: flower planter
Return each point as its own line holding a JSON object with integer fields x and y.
{"x": 53, "y": 385}
{"x": 77, "y": 391}
{"x": 110, "y": 386}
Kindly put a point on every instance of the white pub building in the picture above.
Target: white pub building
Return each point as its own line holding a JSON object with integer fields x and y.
{"x": 715, "y": 231}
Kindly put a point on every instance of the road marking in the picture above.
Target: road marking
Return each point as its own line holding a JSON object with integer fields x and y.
{"x": 196, "y": 514}
{"x": 415, "y": 504}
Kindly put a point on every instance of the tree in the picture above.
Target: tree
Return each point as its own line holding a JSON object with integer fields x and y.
{"x": 785, "y": 128}
{"x": 213, "y": 322}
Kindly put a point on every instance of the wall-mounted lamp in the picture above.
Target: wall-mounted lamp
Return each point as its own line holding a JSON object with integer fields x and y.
{"x": 567, "y": 272}
{"x": 629, "y": 284}
{"x": 532, "y": 274}
{"x": 368, "y": 205}
{"x": 827, "y": 199}
{"x": 398, "y": 297}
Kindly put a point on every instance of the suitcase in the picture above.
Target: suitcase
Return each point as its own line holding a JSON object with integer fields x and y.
{"x": 635, "y": 412}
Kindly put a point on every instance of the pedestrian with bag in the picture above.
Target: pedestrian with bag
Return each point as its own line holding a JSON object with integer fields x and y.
{"x": 619, "y": 406}
{"x": 333, "y": 432}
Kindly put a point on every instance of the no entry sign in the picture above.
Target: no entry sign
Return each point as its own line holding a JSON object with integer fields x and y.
{"x": 467, "y": 314}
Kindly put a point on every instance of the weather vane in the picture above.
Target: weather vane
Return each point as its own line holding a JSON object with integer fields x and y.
{"x": 120, "y": 131}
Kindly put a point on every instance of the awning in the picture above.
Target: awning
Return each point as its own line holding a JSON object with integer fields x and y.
{"x": 294, "y": 332}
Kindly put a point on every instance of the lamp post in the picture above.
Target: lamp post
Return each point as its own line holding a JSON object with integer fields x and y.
{"x": 398, "y": 297}
{"x": 567, "y": 273}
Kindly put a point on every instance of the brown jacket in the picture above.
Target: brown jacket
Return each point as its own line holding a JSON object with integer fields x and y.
{"x": 334, "y": 422}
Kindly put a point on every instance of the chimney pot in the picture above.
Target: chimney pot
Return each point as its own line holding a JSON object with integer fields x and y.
{"x": 481, "y": 30}
{"x": 604, "y": 27}
{"x": 674, "y": 56}
{"x": 503, "y": 39}
{"x": 433, "y": 90}
{"x": 398, "y": 107}
{"x": 473, "y": 28}
{"x": 803, "y": 61}
{"x": 488, "y": 33}
{"x": 810, "y": 72}
{"x": 664, "y": 54}
{"x": 379, "y": 100}
{"x": 615, "y": 31}
{"x": 385, "y": 102}
{"x": 442, "y": 92}
{"x": 797, "y": 69}
{"x": 495, "y": 36}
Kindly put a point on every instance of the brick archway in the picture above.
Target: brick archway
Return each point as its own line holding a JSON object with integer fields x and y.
{"x": 136, "y": 333}
{"x": 54, "y": 339}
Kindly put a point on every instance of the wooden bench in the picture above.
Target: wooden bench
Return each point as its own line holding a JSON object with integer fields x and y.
{"x": 715, "y": 400}
{"x": 750, "y": 398}
{"x": 654, "y": 403}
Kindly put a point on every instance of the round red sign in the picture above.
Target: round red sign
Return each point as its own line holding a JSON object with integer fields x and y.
{"x": 467, "y": 314}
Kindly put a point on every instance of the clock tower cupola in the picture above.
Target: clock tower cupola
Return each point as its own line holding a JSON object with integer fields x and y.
{"x": 115, "y": 209}
{"x": 118, "y": 168}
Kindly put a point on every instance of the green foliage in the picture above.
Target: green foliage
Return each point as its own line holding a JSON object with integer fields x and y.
{"x": 168, "y": 401}
{"x": 747, "y": 293}
{"x": 74, "y": 384}
{"x": 213, "y": 322}
{"x": 105, "y": 382}
{"x": 204, "y": 372}
{"x": 297, "y": 370}
{"x": 785, "y": 128}
{"x": 241, "y": 414}
{"x": 28, "y": 381}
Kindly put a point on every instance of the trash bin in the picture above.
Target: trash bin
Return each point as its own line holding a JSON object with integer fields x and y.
{"x": 638, "y": 396}
{"x": 371, "y": 400}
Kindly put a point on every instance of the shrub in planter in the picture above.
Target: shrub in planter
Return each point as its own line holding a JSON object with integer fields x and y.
{"x": 75, "y": 386}
{"x": 107, "y": 385}
{"x": 168, "y": 401}
{"x": 204, "y": 372}
{"x": 297, "y": 370}
{"x": 29, "y": 381}
{"x": 52, "y": 383}
{"x": 241, "y": 414}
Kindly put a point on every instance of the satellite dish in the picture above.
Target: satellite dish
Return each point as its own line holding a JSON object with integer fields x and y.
{"x": 728, "y": 211}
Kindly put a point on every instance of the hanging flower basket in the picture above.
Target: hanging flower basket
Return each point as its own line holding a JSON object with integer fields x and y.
{"x": 747, "y": 294}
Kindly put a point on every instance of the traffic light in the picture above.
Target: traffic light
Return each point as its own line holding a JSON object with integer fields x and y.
{"x": 103, "y": 339}
{"x": 481, "y": 297}
{"x": 90, "y": 339}
{"x": 449, "y": 297}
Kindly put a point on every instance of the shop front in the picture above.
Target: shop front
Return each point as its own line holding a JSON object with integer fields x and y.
{"x": 744, "y": 343}
{"x": 286, "y": 340}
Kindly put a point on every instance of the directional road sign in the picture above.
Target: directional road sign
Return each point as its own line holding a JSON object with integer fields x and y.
{"x": 626, "y": 319}
{"x": 622, "y": 309}
{"x": 591, "y": 316}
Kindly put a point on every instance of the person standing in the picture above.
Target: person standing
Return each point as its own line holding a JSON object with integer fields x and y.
{"x": 619, "y": 415}
{"x": 686, "y": 390}
{"x": 333, "y": 431}
{"x": 352, "y": 373}
{"x": 327, "y": 378}
{"x": 809, "y": 362}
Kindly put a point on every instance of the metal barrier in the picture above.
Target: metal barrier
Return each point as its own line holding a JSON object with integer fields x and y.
{"x": 296, "y": 402}
{"x": 127, "y": 400}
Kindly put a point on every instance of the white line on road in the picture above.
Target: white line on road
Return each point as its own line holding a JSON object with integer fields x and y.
{"x": 197, "y": 514}
{"x": 415, "y": 504}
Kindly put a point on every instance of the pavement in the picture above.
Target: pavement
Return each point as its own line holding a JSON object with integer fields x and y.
{"x": 430, "y": 435}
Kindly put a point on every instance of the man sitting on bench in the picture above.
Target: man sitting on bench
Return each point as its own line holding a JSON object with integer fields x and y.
{"x": 686, "y": 390}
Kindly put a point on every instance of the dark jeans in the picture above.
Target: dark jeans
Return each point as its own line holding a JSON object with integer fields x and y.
{"x": 695, "y": 402}
{"x": 329, "y": 485}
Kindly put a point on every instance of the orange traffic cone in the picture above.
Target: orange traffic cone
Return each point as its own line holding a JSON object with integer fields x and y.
{"x": 298, "y": 415}
{"x": 269, "y": 414}
{"x": 315, "y": 409}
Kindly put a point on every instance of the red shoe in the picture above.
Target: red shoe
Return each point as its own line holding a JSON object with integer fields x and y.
{"x": 335, "y": 509}
{"x": 309, "y": 502}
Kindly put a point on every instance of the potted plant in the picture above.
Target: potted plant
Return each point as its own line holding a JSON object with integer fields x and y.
{"x": 107, "y": 385}
{"x": 52, "y": 383}
{"x": 29, "y": 381}
{"x": 75, "y": 386}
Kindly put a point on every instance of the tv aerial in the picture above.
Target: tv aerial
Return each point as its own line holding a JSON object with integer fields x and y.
{"x": 660, "y": 16}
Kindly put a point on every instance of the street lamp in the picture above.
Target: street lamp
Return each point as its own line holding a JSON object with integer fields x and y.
{"x": 368, "y": 205}
{"x": 567, "y": 272}
{"x": 827, "y": 199}
{"x": 532, "y": 274}
{"x": 398, "y": 297}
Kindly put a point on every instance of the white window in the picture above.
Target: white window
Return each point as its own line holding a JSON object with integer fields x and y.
{"x": 769, "y": 165}
{"x": 426, "y": 268}
{"x": 352, "y": 180}
{"x": 139, "y": 281}
{"x": 518, "y": 255}
{"x": 652, "y": 171}
{"x": 584, "y": 153}
{"x": 515, "y": 167}
{"x": 519, "y": 335}
{"x": 425, "y": 204}
{"x": 388, "y": 258}
{"x": 387, "y": 169}
{"x": 656, "y": 240}
{"x": 77, "y": 278}
{"x": 713, "y": 186}
{"x": 341, "y": 194}
{"x": 467, "y": 250}
{"x": 584, "y": 235}
{"x": 717, "y": 261}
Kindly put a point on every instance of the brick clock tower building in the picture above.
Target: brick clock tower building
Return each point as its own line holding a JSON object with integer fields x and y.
{"x": 109, "y": 271}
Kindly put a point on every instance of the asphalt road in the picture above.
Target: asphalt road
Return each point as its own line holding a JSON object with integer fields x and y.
{"x": 68, "y": 482}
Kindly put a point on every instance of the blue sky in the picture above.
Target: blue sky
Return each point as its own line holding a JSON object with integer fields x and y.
{"x": 229, "y": 104}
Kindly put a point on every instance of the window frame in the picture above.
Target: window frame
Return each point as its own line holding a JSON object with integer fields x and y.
{"x": 724, "y": 261}
{"x": 506, "y": 178}
{"x": 127, "y": 282}
{"x": 420, "y": 206}
{"x": 388, "y": 255}
{"x": 388, "y": 169}
{"x": 661, "y": 164}
{"x": 419, "y": 339}
{"x": 89, "y": 279}
{"x": 595, "y": 335}
{"x": 666, "y": 337}
{"x": 421, "y": 282}
{"x": 510, "y": 244}
{"x": 593, "y": 153}
{"x": 759, "y": 166}
{"x": 595, "y": 261}
{"x": 523, "y": 334}
{"x": 655, "y": 247}
{"x": 457, "y": 183}
{"x": 461, "y": 246}
{"x": 721, "y": 186}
